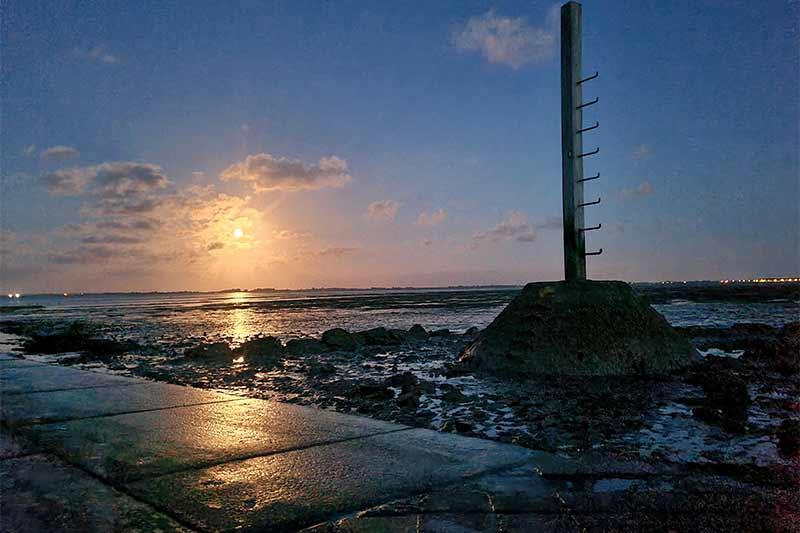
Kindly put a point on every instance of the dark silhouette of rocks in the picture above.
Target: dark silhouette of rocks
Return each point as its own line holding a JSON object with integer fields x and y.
{"x": 578, "y": 328}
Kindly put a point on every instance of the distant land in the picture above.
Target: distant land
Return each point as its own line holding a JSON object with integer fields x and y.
{"x": 750, "y": 281}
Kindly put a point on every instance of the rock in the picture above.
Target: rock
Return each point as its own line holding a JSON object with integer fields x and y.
{"x": 472, "y": 332}
{"x": 740, "y": 336}
{"x": 787, "y": 359}
{"x": 339, "y": 339}
{"x": 75, "y": 337}
{"x": 588, "y": 328}
{"x": 406, "y": 381}
{"x": 727, "y": 392}
{"x": 305, "y": 347}
{"x": 463, "y": 426}
{"x": 440, "y": 333}
{"x": 214, "y": 350}
{"x": 417, "y": 332}
{"x": 260, "y": 347}
{"x": 382, "y": 336}
{"x": 318, "y": 368}
{"x": 789, "y": 437}
{"x": 726, "y": 397}
{"x": 408, "y": 399}
{"x": 370, "y": 390}
{"x": 452, "y": 395}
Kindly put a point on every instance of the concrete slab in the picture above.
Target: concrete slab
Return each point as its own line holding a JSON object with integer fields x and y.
{"x": 16, "y": 362}
{"x": 13, "y": 446}
{"x": 132, "y": 446}
{"x": 103, "y": 400}
{"x": 39, "y": 378}
{"x": 41, "y": 493}
{"x": 300, "y": 488}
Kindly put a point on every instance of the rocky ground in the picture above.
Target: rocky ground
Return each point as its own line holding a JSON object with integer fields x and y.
{"x": 726, "y": 429}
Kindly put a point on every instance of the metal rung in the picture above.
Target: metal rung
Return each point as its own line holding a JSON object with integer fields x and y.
{"x": 600, "y": 251}
{"x": 590, "y": 203}
{"x": 590, "y": 128}
{"x": 589, "y": 153}
{"x": 590, "y": 178}
{"x": 592, "y": 228}
{"x": 593, "y": 76}
{"x": 587, "y": 104}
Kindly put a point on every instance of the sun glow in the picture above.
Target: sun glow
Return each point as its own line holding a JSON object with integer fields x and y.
{"x": 238, "y": 233}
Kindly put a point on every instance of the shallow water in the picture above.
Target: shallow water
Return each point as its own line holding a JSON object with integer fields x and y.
{"x": 643, "y": 419}
{"x": 171, "y": 320}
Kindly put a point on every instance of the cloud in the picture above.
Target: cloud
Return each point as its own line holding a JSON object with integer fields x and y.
{"x": 508, "y": 41}
{"x": 433, "y": 219}
{"x": 67, "y": 182}
{"x": 550, "y": 222}
{"x": 642, "y": 190}
{"x": 642, "y": 151}
{"x": 111, "y": 239}
{"x": 383, "y": 210}
{"x": 269, "y": 173}
{"x": 286, "y": 234}
{"x": 515, "y": 226}
{"x": 215, "y": 246}
{"x": 59, "y": 153}
{"x": 108, "y": 180}
{"x": 336, "y": 251}
{"x": 97, "y": 54}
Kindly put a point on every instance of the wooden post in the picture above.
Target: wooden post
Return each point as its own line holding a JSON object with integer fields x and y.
{"x": 571, "y": 145}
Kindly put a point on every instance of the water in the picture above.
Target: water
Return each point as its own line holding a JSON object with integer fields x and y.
{"x": 169, "y": 320}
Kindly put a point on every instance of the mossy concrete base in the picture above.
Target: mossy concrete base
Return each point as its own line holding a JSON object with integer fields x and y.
{"x": 584, "y": 328}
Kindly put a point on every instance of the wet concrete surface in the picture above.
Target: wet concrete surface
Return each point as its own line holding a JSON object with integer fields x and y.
{"x": 84, "y": 451}
{"x": 41, "y": 493}
{"x": 157, "y": 442}
{"x": 136, "y": 456}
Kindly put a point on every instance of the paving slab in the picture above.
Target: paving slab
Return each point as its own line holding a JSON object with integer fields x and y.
{"x": 13, "y": 446}
{"x": 40, "y": 378}
{"x": 109, "y": 399}
{"x": 132, "y": 446}
{"x": 15, "y": 362}
{"x": 41, "y": 493}
{"x": 300, "y": 488}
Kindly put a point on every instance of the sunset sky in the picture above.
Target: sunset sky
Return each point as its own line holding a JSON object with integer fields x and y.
{"x": 389, "y": 143}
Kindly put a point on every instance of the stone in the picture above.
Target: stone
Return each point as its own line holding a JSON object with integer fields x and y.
{"x": 213, "y": 350}
{"x": 417, "y": 332}
{"x": 788, "y": 352}
{"x": 382, "y": 336}
{"x": 472, "y": 332}
{"x": 261, "y": 346}
{"x": 305, "y": 347}
{"x": 789, "y": 437}
{"x": 582, "y": 328}
{"x": 368, "y": 390}
{"x": 340, "y": 339}
{"x": 441, "y": 333}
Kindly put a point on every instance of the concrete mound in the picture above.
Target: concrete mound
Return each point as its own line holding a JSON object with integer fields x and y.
{"x": 581, "y": 328}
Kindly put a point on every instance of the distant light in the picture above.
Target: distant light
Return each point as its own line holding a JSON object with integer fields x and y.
{"x": 16, "y": 295}
{"x": 238, "y": 233}
{"x": 10, "y": 295}
{"x": 66, "y": 294}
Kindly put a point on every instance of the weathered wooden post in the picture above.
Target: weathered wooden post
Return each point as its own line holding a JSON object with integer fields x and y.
{"x": 572, "y": 145}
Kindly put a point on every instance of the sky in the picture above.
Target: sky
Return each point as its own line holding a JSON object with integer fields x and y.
{"x": 205, "y": 145}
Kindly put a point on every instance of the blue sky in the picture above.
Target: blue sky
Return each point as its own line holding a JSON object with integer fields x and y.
{"x": 343, "y": 127}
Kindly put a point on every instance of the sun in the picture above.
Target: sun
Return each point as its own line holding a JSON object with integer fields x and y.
{"x": 238, "y": 233}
